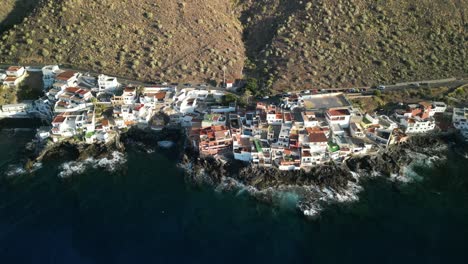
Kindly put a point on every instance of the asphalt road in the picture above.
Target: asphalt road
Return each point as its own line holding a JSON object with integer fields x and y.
{"x": 450, "y": 83}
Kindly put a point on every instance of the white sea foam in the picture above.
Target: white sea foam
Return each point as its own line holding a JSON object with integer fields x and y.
{"x": 310, "y": 199}
{"x": 109, "y": 164}
{"x": 15, "y": 170}
{"x": 166, "y": 144}
{"x": 409, "y": 174}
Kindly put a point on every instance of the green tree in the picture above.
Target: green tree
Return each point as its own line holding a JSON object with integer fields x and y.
{"x": 252, "y": 86}
{"x": 229, "y": 98}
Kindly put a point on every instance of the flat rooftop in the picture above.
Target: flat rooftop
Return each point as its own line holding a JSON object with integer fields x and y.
{"x": 321, "y": 101}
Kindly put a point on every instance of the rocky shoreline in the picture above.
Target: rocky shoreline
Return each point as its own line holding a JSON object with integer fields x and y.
{"x": 322, "y": 185}
{"x": 75, "y": 155}
{"x": 311, "y": 190}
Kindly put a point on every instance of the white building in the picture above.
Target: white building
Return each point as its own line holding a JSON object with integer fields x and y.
{"x": 274, "y": 118}
{"x": 310, "y": 120}
{"x": 16, "y": 71}
{"x": 283, "y": 138}
{"x": 63, "y": 126}
{"x": 72, "y": 99}
{"x": 317, "y": 139}
{"x": 69, "y": 78}
{"x": 310, "y": 159}
{"x": 129, "y": 96}
{"x": 48, "y": 75}
{"x": 415, "y": 125}
{"x": 387, "y": 123}
{"x": 339, "y": 117}
{"x": 356, "y": 130}
{"x": 107, "y": 83}
{"x": 242, "y": 148}
{"x": 15, "y": 110}
{"x": 12, "y": 81}
{"x": 460, "y": 120}
{"x": 438, "y": 107}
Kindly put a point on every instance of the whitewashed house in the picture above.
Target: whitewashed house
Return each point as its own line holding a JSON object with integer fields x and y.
{"x": 438, "y": 107}
{"x": 356, "y": 130}
{"x": 339, "y": 117}
{"x": 49, "y": 73}
{"x": 69, "y": 78}
{"x": 107, "y": 83}
{"x": 414, "y": 125}
{"x": 12, "y": 81}
{"x": 16, "y": 71}
{"x": 63, "y": 126}
{"x": 129, "y": 96}
{"x": 460, "y": 120}
{"x": 310, "y": 119}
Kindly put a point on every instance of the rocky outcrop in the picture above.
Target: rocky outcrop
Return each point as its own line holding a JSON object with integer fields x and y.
{"x": 330, "y": 182}
{"x": 69, "y": 150}
{"x": 394, "y": 160}
{"x": 330, "y": 175}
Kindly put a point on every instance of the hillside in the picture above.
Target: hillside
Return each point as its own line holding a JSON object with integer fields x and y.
{"x": 303, "y": 44}
{"x": 287, "y": 45}
{"x": 142, "y": 39}
{"x": 13, "y": 11}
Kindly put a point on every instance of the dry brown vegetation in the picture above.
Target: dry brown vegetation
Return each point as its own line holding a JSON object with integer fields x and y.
{"x": 342, "y": 43}
{"x": 14, "y": 11}
{"x": 294, "y": 44}
{"x": 142, "y": 39}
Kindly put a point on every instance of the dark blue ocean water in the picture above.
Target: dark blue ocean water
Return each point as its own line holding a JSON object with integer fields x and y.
{"x": 148, "y": 214}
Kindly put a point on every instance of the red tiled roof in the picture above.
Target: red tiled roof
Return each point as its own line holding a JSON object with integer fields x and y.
{"x": 426, "y": 104}
{"x": 338, "y": 112}
{"x": 72, "y": 89}
{"x": 66, "y": 75}
{"x": 160, "y": 95}
{"x": 316, "y": 129}
{"x": 14, "y": 68}
{"x": 10, "y": 79}
{"x": 318, "y": 137}
{"x": 82, "y": 91}
{"x": 59, "y": 119}
{"x": 138, "y": 107}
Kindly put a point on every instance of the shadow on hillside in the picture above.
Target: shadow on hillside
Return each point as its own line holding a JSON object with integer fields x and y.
{"x": 21, "y": 10}
{"x": 261, "y": 23}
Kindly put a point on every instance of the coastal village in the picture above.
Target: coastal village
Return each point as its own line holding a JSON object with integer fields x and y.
{"x": 299, "y": 131}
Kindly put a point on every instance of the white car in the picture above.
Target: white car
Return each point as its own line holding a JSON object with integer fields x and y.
{"x": 381, "y": 87}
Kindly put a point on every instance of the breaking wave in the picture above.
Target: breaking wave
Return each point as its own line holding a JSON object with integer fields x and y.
{"x": 410, "y": 173}
{"x": 310, "y": 200}
{"x": 109, "y": 163}
{"x": 15, "y": 170}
